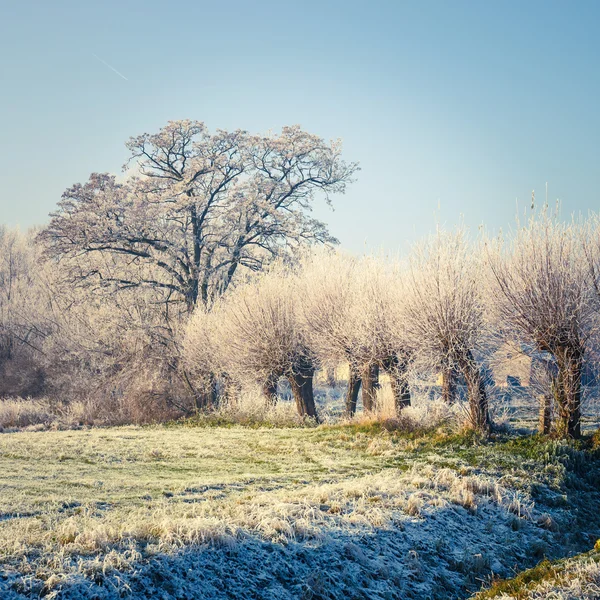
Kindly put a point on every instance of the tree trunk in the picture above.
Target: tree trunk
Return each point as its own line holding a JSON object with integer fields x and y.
{"x": 401, "y": 391}
{"x": 352, "y": 391}
{"x": 231, "y": 389}
{"x": 396, "y": 369}
{"x": 194, "y": 392}
{"x": 370, "y": 384}
{"x": 214, "y": 392}
{"x": 545, "y": 414}
{"x": 192, "y": 293}
{"x": 269, "y": 389}
{"x": 567, "y": 392}
{"x": 301, "y": 382}
{"x": 208, "y": 397}
{"x": 330, "y": 377}
{"x": 478, "y": 401}
{"x": 449, "y": 385}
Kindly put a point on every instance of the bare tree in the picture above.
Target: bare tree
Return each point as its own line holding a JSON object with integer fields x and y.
{"x": 198, "y": 209}
{"x": 326, "y": 301}
{"x": 203, "y": 360}
{"x": 543, "y": 293}
{"x": 383, "y": 343}
{"x": 22, "y": 328}
{"x": 445, "y": 314}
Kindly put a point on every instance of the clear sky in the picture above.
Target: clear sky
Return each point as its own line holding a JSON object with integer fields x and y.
{"x": 452, "y": 108}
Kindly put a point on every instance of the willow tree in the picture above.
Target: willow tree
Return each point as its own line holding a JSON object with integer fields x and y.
{"x": 351, "y": 309}
{"x": 254, "y": 335}
{"x": 378, "y": 317}
{"x": 545, "y": 293}
{"x": 196, "y": 210}
{"x": 327, "y": 280}
{"x": 444, "y": 315}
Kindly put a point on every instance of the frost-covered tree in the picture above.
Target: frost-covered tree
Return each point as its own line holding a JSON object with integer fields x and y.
{"x": 22, "y": 326}
{"x": 326, "y": 303}
{"x": 198, "y": 208}
{"x": 17, "y": 278}
{"x": 379, "y": 316}
{"x": 205, "y": 356}
{"x": 350, "y": 309}
{"x": 253, "y": 335}
{"x": 544, "y": 293}
{"x": 444, "y": 314}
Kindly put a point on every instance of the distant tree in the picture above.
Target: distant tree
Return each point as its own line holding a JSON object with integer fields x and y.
{"x": 23, "y": 327}
{"x": 197, "y": 209}
{"x": 544, "y": 293}
{"x": 17, "y": 276}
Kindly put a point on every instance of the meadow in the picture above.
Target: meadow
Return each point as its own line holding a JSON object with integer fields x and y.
{"x": 364, "y": 509}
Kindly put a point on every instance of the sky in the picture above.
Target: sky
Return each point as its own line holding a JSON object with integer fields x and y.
{"x": 455, "y": 110}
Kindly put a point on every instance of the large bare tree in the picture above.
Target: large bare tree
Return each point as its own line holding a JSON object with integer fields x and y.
{"x": 196, "y": 209}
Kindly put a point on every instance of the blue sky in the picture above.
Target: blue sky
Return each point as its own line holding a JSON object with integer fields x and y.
{"x": 451, "y": 108}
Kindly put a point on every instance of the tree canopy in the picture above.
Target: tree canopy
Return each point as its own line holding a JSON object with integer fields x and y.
{"x": 196, "y": 210}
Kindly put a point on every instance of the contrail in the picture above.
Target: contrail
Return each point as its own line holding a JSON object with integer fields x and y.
{"x": 111, "y": 68}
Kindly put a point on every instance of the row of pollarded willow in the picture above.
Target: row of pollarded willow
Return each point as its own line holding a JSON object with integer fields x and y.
{"x": 333, "y": 308}
{"x": 444, "y": 310}
{"x": 286, "y": 323}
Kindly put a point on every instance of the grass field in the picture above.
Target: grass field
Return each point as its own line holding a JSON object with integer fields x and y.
{"x": 350, "y": 511}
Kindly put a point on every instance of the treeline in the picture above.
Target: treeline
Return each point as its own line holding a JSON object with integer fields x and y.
{"x": 445, "y": 310}
{"x": 196, "y": 276}
{"x": 93, "y": 304}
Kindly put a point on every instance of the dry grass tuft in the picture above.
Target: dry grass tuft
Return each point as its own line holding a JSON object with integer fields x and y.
{"x": 20, "y": 413}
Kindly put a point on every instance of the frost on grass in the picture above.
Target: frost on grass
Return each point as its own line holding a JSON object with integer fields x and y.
{"x": 581, "y": 581}
{"x": 397, "y": 534}
{"x": 576, "y": 578}
{"x": 329, "y": 512}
